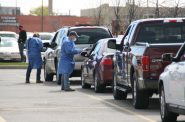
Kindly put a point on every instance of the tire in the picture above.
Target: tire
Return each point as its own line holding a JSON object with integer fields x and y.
{"x": 140, "y": 97}
{"x": 117, "y": 94}
{"x": 166, "y": 115}
{"x": 83, "y": 84}
{"x": 98, "y": 88}
{"x": 47, "y": 77}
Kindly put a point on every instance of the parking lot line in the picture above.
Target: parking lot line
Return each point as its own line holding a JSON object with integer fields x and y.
{"x": 121, "y": 108}
{"x": 2, "y": 120}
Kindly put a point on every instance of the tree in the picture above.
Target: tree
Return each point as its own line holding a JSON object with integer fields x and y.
{"x": 131, "y": 10}
{"x": 38, "y": 11}
{"x": 117, "y": 10}
{"x": 98, "y": 14}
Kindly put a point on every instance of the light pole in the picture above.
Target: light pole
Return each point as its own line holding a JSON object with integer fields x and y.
{"x": 16, "y": 15}
{"x": 42, "y": 18}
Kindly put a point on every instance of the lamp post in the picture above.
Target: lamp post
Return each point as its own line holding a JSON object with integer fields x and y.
{"x": 42, "y": 18}
{"x": 16, "y": 15}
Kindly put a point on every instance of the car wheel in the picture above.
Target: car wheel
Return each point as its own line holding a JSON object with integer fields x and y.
{"x": 140, "y": 97}
{"x": 117, "y": 94}
{"x": 98, "y": 88}
{"x": 83, "y": 84}
{"x": 47, "y": 77}
{"x": 166, "y": 115}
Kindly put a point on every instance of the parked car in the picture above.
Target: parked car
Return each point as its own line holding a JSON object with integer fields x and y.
{"x": 45, "y": 36}
{"x": 9, "y": 50}
{"x": 138, "y": 64}
{"x": 97, "y": 68}
{"x": 88, "y": 35}
{"x": 172, "y": 86}
{"x": 8, "y": 34}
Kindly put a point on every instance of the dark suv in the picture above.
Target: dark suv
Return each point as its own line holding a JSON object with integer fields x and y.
{"x": 88, "y": 35}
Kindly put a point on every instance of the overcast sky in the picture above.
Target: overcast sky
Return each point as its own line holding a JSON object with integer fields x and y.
{"x": 64, "y": 6}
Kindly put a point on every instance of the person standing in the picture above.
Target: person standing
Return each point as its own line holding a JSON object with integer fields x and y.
{"x": 21, "y": 42}
{"x": 67, "y": 63}
{"x": 34, "y": 47}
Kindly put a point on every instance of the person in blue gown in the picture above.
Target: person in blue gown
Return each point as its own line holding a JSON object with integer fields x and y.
{"x": 67, "y": 63}
{"x": 34, "y": 47}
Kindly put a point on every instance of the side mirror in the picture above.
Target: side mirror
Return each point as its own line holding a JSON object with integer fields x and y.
{"x": 46, "y": 44}
{"x": 112, "y": 44}
{"x": 53, "y": 44}
{"x": 84, "y": 54}
{"x": 127, "y": 47}
{"x": 167, "y": 57}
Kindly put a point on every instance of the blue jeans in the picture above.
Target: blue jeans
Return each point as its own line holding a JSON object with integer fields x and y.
{"x": 29, "y": 69}
{"x": 65, "y": 83}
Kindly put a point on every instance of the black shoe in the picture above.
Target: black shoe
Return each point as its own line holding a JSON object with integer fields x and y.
{"x": 62, "y": 88}
{"x": 39, "y": 81}
{"x": 69, "y": 89}
{"x": 27, "y": 82}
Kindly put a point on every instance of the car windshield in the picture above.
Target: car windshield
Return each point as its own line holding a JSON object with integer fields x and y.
{"x": 7, "y": 35}
{"x": 6, "y": 43}
{"x": 45, "y": 37}
{"x": 91, "y": 35}
{"x": 162, "y": 33}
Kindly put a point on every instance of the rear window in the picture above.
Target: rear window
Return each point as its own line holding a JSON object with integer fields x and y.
{"x": 162, "y": 33}
{"x": 6, "y": 44}
{"x": 91, "y": 35}
{"x": 45, "y": 37}
{"x": 7, "y": 35}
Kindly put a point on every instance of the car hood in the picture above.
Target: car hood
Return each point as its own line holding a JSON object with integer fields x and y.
{"x": 9, "y": 49}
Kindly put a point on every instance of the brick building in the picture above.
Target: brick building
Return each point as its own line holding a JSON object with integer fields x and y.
{"x": 34, "y": 23}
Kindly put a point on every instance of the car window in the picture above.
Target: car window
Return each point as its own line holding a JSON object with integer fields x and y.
{"x": 45, "y": 37}
{"x": 96, "y": 49}
{"x": 162, "y": 33}
{"x": 91, "y": 35}
{"x": 7, "y": 35}
{"x": 55, "y": 36}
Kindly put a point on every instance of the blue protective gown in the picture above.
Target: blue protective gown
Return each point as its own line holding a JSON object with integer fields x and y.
{"x": 67, "y": 63}
{"x": 34, "y": 47}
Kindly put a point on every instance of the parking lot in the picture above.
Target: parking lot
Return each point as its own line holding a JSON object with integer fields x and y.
{"x": 33, "y": 102}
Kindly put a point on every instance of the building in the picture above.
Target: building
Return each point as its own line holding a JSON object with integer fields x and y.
{"x": 9, "y": 10}
{"x": 105, "y": 15}
{"x": 36, "y": 24}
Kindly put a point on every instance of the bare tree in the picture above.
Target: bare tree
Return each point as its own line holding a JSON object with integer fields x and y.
{"x": 98, "y": 14}
{"x": 157, "y": 9}
{"x": 117, "y": 10}
{"x": 177, "y": 8}
{"x": 131, "y": 10}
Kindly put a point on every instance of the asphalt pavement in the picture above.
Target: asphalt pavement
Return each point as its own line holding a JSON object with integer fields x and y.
{"x": 20, "y": 102}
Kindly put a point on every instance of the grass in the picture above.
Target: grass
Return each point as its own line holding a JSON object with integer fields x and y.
{"x": 13, "y": 64}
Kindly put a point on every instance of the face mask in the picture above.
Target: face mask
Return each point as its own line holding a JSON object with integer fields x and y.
{"x": 74, "y": 39}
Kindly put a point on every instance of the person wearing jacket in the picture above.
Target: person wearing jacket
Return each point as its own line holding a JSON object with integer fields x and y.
{"x": 34, "y": 47}
{"x": 21, "y": 42}
{"x": 67, "y": 63}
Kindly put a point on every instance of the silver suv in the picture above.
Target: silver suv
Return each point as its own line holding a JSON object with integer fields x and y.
{"x": 88, "y": 35}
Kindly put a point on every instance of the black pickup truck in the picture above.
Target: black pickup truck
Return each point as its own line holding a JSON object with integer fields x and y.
{"x": 137, "y": 61}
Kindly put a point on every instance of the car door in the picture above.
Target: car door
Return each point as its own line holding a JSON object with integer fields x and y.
{"x": 177, "y": 79}
{"x": 124, "y": 59}
{"x": 91, "y": 62}
{"x": 50, "y": 55}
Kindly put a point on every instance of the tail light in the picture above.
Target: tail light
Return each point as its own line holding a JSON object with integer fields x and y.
{"x": 106, "y": 62}
{"x": 145, "y": 60}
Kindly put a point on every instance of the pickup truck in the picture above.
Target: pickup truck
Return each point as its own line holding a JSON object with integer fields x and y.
{"x": 137, "y": 62}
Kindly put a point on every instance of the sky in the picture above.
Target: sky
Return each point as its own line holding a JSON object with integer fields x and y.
{"x": 64, "y": 7}
{"x": 59, "y": 6}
